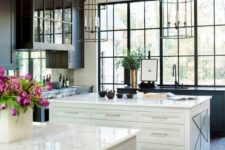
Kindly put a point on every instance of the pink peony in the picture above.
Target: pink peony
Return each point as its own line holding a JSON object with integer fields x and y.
{"x": 16, "y": 84}
{"x": 49, "y": 86}
{"x": 2, "y": 71}
{"x": 44, "y": 102}
{"x": 38, "y": 90}
{"x": 23, "y": 94}
{"x": 3, "y": 106}
{"x": 28, "y": 76}
{"x": 13, "y": 112}
{"x": 26, "y": 102}
{"x": 19, "y": 100}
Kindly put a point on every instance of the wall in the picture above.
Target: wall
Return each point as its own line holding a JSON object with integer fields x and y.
{"x": 65, "y": 72}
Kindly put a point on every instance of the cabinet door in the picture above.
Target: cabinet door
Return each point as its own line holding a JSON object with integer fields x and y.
{"x": 6, "y": 29}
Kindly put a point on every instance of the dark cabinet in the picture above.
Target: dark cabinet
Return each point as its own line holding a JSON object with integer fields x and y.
{"x": 7, "y": 29}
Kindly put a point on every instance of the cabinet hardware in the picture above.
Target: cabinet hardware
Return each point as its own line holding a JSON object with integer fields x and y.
{"x": 72, "y": 113}
{"x": 112, "y": 115}
{"x": 160, "y": 118}
{"x": 159, "y": 134}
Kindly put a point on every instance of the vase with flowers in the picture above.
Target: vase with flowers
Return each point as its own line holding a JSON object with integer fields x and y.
{"x": 18, "y": 96}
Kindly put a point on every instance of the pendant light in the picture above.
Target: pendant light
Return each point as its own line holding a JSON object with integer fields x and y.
{"x": 92, "y": 22}
{"x": 177, "y": 19}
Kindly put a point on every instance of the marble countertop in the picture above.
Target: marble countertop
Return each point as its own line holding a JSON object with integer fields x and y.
{"x": 72, "y": 137}
{"x": 138, "y": 100}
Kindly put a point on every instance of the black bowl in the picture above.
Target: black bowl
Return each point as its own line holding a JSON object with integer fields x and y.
{"x": 102, "y": 93}
{"x": 119, "y": 95}
{"x": 110, "y": 95}
{"x": 129, "y": 95}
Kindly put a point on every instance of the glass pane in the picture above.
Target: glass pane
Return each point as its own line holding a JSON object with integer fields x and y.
{"x": 58, "y": 10}
{"x": 49, "y": 8}
{"x": 106, "y": 18}
{"x": 170, "y": 47}
{"x": 152, "y": 19}
{"x": 158, "y": 78}
{"x": 153, "y": 42}
{"x": 38, "y": 30}
{"x": 187, "y": 46}
{"x": 220, "y": 11}
{"x": 120, "y": 43}
{"x": 68, "y": 10}
{"x": 137, "y": 15}
{"x": 119, "y": 73}
{"x": 220, "y": 71}
{"x": 206, "y": 70}
{"x": 137, "y": 39}
{"x": 39, "y": 7}
{"x": 107, "y": 70}
{"x": 107, "y": 47}
{"x": 220, "y": 40}
{"x": 186, "y": 70}
{"x": 120, "y": 14}
{"x": 48, "y": 31}
{"x": 168, "y": 63}
{"x": 24, "y": 70}
{"x": 67, "y": 33}
{"x": 169, "y": 14}
{"x": 205, "y": 41}
{"x": 205, "y": 12}
{"x": 58, "y": 32}
{"x": 106, "y": 87}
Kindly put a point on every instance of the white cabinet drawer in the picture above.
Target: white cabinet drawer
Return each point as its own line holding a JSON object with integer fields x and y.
{"x": 161, "y": 133}
{"x": 148, "y": 146}
{"x": 70, "y": 120}
{"x": 160, "y": 117}
{"x": 72, "y": 112}
{"x": 120, "y": 124}
{"x": 114, "y": 115}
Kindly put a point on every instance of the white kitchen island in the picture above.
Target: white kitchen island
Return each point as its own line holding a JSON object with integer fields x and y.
{"x": 75, "y": 137}
{"x": 165, "y": 124}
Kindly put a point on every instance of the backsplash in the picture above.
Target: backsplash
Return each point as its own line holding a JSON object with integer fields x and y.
{"x": 65, "y": 72}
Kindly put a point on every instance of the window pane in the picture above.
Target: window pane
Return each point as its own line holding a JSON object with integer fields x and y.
{"x": 205, "y": 70}
{"x": 106, "y": 18}
{"x": 107, "y": 47}
{"x": 120, "y": 14}
{"x": 67, "y": 33}
{"x": 58, "y": 32}
{"x": 187, "y": 46}
{"x": 119, "y": 73}
{"x": 58, "y": 10}
{"x": 137, "y": 15}
{"x": 220, "y": 11}
{"x": 220, "y": 71}
{"x": 107, "y": 70}
{"x": 49, "y": 7}
{"x": 168, "y": 63}
{"x": 220, "y": 40}
{"x": 48, "y": 31}
{"x": 120, "y": 43}
{"x": 153, "y": 42}
{"x": 68, "y": 10}
{"x": 205, "y": 12}
{"x": 152, "y": 19}
{"x": 39, "y": 7}
{"x": 170, "y": 47}
{"x": 186, "y": 70}
{"x": 205, "y": 41}
{"x": 137, "y": 39}
{"x": 106, "y": 87}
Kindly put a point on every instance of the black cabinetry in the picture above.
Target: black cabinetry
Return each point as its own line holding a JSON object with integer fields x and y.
{"x": 7, "y": 29}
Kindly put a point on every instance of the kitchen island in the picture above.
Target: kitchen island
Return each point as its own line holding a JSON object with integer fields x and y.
{"x": 76, "y": 137}
{"x": 165, "y": 124}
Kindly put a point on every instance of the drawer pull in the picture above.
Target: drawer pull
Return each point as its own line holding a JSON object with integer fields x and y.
{"x": 75, "y": 113}
{"x": 163, "y": 118}
{"x": 112, "y": 115}
{"x": 159, "y": 134}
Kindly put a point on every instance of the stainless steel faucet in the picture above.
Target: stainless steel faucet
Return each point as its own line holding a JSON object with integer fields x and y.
{"x": 176, "y": 83}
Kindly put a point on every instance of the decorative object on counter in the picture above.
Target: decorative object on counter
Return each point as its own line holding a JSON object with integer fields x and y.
{"x": 149, "y": 84}
{"x": 110, "y": 94}
{"x": 57, "y": 85}
{"x": 18, "y": 64}
{"x": 102, "y": 93}
{"x": 129, "y": 95}
{"x": 49, "y": 86}
{"x": 67, "y": 82}
{"x": 17, "y": 97}
{"x": 119, "y": 95}
{"x": 132, "y": 62}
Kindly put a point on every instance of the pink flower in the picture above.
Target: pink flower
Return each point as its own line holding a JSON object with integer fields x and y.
{"x": 2, "y": 71}
{"x": 49, "y": 86}
{"x": 44, "y": 102}
{"x": 16, "y": 84}
{"x": 13, "y": 112}
{"x": 19, "y": 100}
{"x": 26, "y": 102}
{"x": 38, "y": 90}
{"x": 3, "y": 106}
{"x": 28, "y": 76}
{"x": 23, "y": 94}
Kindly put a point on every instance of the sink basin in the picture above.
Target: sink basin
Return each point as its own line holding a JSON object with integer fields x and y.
{"x": 173, "y": 87}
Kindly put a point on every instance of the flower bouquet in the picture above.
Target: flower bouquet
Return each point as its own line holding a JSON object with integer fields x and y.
{"x": 18, "y": 96}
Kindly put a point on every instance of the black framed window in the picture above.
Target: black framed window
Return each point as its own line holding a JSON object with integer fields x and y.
{"x": 200, "y": 60}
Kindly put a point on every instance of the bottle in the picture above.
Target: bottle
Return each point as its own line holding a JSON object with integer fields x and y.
{"x": 67, "y": 82}
{"x": 64, "y": 82}
{"x": 49, "y": 78}
{"x": 60, "y": 77}
{"x": 44, "y": 80}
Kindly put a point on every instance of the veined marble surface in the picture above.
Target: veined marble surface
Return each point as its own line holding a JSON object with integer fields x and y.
{"x": 93, "y": 98}
{"x": 71, "y": 137}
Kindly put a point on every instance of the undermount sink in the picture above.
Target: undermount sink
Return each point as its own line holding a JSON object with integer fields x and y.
{"x": 173, "y": 87}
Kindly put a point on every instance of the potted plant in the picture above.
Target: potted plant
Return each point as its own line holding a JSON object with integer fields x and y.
{"x": 132, "y": 62}
{"x": 18, "y": 96}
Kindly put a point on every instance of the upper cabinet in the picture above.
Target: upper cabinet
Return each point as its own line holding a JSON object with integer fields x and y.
{"x": 7, "y": 30}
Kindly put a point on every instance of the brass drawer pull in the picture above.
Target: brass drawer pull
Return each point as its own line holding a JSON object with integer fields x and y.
{"x": 112, "y": 115}
{"x": 159, "y": 134}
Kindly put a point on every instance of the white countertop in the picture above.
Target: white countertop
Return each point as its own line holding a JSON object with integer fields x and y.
{"x": 93, "y": 98}
{"x": 71, "y": 137}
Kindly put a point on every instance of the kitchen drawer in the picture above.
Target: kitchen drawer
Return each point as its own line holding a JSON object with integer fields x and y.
{"x": 119, "y": 124}
{"x": 114, "y": 115}
{"x": 161, "y": 133}
{"x": 160, "y": 117}
{"x": 70, "y": 120}
{"x": 149, "y": 146}
{"x": 72, "y": 112}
